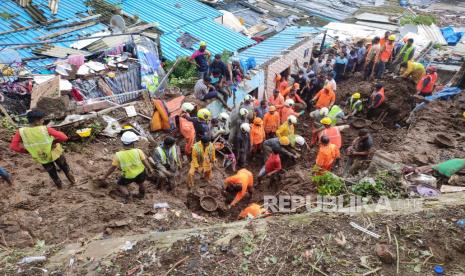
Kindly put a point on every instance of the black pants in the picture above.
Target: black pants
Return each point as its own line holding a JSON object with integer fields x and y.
{"x": 139, "y": 179}
{"x": 52, "y": 170}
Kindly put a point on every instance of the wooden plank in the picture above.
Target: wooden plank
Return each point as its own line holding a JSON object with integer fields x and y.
{"x": 83, "y": 20}
{"x": 50, "y": 88}
{"x": 65, "y": 31}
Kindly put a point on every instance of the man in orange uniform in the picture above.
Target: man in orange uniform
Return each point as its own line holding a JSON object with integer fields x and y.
{"x": 238, "y": 185}
{"x": 376, "y": 101}
{"x": 286, "y": 91}
{"x": 288, "y": 110}
{"x": 426, "y": 84}
{"x": 299, "y": 103}
{"x": 257, "y": 135}
{"x": 332, "y": 132}
{"x": 271, "y": 122}
{"x": 283, "y": 84}
{"x": 277, "y": 100}
{"x": 324, "y": 98}
{"x": 186, "y": 127}
{"x": 385, "y": 55}
{"x": 327, "y": 154}
{"x": 253, "y": 211}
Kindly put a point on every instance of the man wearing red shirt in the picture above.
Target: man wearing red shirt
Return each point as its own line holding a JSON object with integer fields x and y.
{"x": 271, "y": 168}
{"x": 38, "y": 140}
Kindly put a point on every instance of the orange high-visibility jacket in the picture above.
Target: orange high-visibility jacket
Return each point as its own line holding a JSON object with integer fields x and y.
{"x": 324, "y": 99}
{"x": 278, "y": 102}
{"x": 188, "y": 132}
{"x": 334, "y": 135}
{"x": 271, "y": 122}
{"x": 244, "y": 178}
{"x": 287, "y": 111}
{"x": 254, "y": 210}
{"x": 257, "y": 134}
{"x": 327, "y": 154}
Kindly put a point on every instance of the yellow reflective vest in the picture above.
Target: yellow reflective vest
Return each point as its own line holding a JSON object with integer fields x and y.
{"x": 130, "y": 163}
{"x": 38, "y": 143}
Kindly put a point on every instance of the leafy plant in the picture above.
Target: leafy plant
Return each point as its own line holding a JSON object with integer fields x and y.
{"x": 366, "y": 188}
{"x": 328, "y": 184}
{"x": 422, "y": 19}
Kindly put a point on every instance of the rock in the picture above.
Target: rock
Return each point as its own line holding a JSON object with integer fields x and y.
{"x": 108, "y": 231}
{"x": 382, "y": 250}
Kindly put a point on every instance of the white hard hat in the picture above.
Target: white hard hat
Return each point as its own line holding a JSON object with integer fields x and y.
{"x": 223, "y": 116}
{"x": 248, "y": 97}
{"x": 245, "y": 127}
{"x": 292, "y": 119}
{"x": 129, "y": 137}
{"x": 300, "y": 140}
{"x": 289, "y": 102}
{"x": 324, "y": 111}
{"x": 187, "y": 107}
{"x": 243, "y": 112}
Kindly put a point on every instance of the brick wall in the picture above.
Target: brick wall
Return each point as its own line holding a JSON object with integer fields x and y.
{"x": 279, "y": 64}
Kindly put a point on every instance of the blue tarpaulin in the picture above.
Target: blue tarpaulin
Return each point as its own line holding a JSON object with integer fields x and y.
{"x": 451, "y": 36}
{"x": 444, "y": 94}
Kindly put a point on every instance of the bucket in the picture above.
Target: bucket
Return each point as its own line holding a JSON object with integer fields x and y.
{"x": 208, "y": 203}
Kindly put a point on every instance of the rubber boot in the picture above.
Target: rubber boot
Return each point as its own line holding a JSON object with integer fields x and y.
{"x": 71, "y": 178}
{"x": 58, "y": 183}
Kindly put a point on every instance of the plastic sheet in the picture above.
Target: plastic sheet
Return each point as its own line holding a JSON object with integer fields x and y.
{"x": 444, "y": 94}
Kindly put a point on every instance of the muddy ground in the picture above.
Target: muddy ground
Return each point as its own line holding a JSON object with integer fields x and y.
{"x": 34, "y": 210}
{"x": 311, "y": 248}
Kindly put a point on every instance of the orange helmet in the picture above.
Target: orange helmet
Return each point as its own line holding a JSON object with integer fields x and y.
{"x": 257, "y": 121}
{"x": 272, "y": 108}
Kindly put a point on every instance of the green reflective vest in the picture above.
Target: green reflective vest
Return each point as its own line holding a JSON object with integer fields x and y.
{"x": 38, "y": 143}
{"x": 130, "y": 163}
{"x": 173, "y": 154}
{"x": 405, "y": 52}
{"x": 335, "y": 110}
{"x": 355, "y": 104}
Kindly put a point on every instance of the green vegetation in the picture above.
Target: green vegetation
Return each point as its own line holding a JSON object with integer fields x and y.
{"x": 328, "y": 184}
{"x": 422, "y": 19}
{"x": 384, "y": 184}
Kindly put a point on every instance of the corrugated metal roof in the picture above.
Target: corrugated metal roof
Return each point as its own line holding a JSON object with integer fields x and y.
{"x": 177, "y": 16}
{"x": 432, "y": 33}
{"x": 68, "y": 12}
{"x": 276, "y": 44}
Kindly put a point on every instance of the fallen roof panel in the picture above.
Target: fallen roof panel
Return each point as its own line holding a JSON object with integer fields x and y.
{"x": 276, "y": 44}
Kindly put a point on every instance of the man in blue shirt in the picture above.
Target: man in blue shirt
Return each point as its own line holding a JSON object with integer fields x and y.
{"x": 340, "y": 66}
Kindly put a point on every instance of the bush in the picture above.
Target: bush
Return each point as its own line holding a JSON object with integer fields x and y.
{"x": 422, "y": 19}
{"x": 328, "y": 184}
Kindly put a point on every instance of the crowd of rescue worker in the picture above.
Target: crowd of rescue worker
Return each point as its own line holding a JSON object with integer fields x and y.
{"x": 252, "y": 131}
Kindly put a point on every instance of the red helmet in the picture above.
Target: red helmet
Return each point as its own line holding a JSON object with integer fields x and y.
{"x": 431, "y": 68}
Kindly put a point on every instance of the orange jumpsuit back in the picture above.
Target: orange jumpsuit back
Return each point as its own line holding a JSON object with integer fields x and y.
{"x": 287, "y": 111}
{"x": 327, "y": 154}
{"x": 188, "y": 132}
{"x": 244, "y": 178}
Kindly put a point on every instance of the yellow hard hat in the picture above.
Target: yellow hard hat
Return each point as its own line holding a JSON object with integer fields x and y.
{"x": 203, "y": 43}
{"x": 204, "y": 114}
{"x": 127, "y": 127}
{"x": 392, "y": 37}
{"x": 326, "y": 121}
{"x": 284, "y": 140}
{"x": 464, "y": 114}
{"x": 356, "y": 95}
